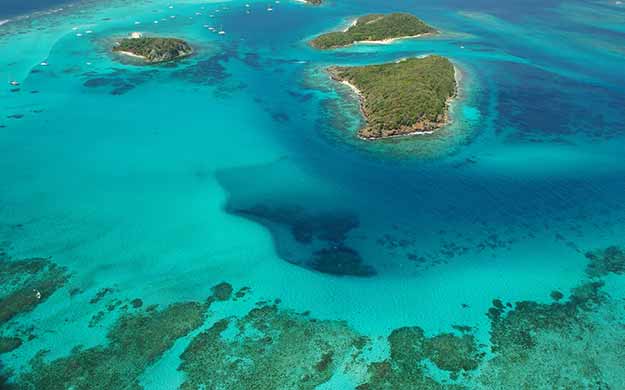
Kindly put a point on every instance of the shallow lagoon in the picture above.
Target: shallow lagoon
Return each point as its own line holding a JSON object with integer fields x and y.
{"x": 148, "y": 181}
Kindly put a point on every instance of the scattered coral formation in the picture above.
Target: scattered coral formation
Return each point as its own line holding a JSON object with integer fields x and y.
{"x": 135, "y": 341}
{"x": 410, "y": 350}
{"x": 572, "y": 343}
{"x": 270, "y": 349}
{"x": 576, "y": 344}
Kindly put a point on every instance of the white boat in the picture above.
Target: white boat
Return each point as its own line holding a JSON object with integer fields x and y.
{"x": 14, "y": 83}
{"x": 221, "y": 32}
{"x": 269, "y": 9}
{"x": 44, "y": 63}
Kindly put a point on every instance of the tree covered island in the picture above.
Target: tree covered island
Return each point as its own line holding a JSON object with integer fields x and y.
{"x": 152, "y": 49}
{"x": 405, "y": 97}
{"x": 313, "y": 2}
{"x": 375, "y": 28}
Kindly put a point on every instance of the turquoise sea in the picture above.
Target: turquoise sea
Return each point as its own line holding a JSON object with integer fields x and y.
{"x": 215, "y": 223}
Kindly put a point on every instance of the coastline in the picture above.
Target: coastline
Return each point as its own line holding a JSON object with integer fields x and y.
{"x": 458, "y": 76}
{"x": 352, "y": 24}
{"x": 373, "y": 42}
{"x": 127, "y": 53}
{"x": 391, "y": 40}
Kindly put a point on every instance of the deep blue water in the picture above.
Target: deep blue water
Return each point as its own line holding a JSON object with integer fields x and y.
{"x": 10, "y": 8}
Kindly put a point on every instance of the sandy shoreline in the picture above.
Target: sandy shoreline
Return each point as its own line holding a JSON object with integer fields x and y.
{"x": 127, "y": 53}
{"x": 391, "y": 40}
{"x": 458, "y": 76}
{"x": 352, "y": 24}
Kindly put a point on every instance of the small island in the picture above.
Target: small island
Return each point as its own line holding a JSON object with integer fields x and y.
{"x": 375, "y": 28}
{"x": 313, "y": 2}
{"x": 406, "y": 97}
{"x": 153, "y": 50}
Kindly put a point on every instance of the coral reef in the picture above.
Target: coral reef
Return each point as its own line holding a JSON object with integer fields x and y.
{"x": 270, "y": 349}
{"x": 340, "y": 260}
{"x": 8, "y": 344}
{"x": 135, "y": 341}
{"x": 26, "y": 283}
{"x": 410, "y": 349}
{"x": 576, "y": 344}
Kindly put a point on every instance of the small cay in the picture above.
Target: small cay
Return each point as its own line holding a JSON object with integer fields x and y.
{"x": 153, "y": 49}
{"x": 407, "y": 97}
{"x": 375, "y": 28}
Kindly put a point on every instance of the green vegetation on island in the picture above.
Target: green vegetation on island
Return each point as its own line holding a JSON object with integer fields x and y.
{"x": 375, "y": 27}
{"x": 153, "y": 49}
{"x": 403, "y": 97}
{"x": 314, "y": 2}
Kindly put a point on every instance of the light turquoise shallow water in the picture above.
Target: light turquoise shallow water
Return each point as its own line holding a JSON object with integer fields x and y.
{"x": 162, "y": 181}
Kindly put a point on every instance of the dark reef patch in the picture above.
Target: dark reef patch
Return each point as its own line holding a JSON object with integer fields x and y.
{"x": 8, "y": 344}
{"x": 318, "y": 238}
{"x": 307, "y": 228}
{"x": 101, "y": 294}
{"x": 302, "y": 97}
{"x": 119, "y": 81}
{"x": 252, "y": 60}
{"x": 27, "y": 283}
{"x": 340, "y": 260}
{"x": 222, "y": 291}
{"x": 606, "y": 261}
{"x": 280, "y": 117}
{"x": 210, "y": 71}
